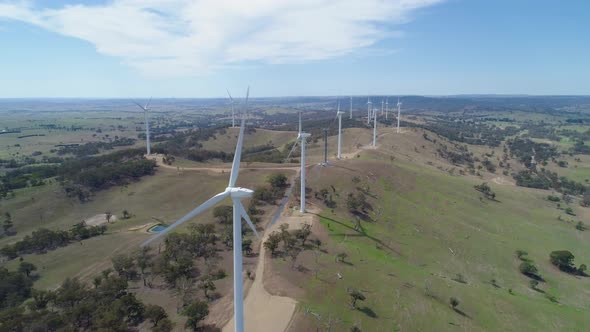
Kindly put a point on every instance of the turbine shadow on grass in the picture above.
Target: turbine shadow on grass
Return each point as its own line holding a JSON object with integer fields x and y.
{"x": 363, "y": 233}
{"x": 461, "y": 312}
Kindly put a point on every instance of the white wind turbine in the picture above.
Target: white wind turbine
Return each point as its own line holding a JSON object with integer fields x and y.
{"x": 374, "y": 127}
{"x": 147, "y": 124}
{"x": 350, "y": 107}
{"x": 236, "y": 194}
{"x": 369, "y": 103}
{"x": 339, "y": 115}
{"x": 382, "y": 106}
{"x": 399, "y": 105}
{"x": 386, "y": 107}
{"x": 233, "y": 116}
{"x": 301, "y": 137}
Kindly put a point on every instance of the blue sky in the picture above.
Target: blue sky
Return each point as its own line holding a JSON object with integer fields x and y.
{"x": 181, "y": 48}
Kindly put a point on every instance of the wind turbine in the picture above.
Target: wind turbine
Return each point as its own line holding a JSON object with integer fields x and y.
{"x": 339, "y": 115}
{"x": 236, "y": 194}
{"x": 369, "y": 103}
{"x": 350, "y": 107}
{"x": 386, "y": 107}
{"x": 301, "y": 137}
{"x": 374, "y": 127}
{"x": 399, "y": 105}
{"x": 233, "y": 116}
{"x": 147, "y": 124}
{"x": 382, "y": 103}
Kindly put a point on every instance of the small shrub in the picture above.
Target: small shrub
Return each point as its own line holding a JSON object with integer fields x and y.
{"x": 454, "y": 302}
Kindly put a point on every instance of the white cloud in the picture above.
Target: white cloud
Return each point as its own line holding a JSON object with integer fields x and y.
{"x": 186, "y": 37}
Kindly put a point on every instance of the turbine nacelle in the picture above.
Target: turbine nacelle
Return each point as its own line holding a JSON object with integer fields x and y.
{"x": 239, "y": 192}
{"x": 303, "y": 135}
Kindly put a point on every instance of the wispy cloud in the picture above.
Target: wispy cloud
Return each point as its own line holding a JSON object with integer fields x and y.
{"x": 187, "y": 37}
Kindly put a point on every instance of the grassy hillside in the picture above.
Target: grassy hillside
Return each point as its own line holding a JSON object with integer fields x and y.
{"x": 426, "y": 228}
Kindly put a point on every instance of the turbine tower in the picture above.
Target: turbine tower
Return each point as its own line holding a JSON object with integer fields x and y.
{"x": 386, "y": 107}
{"x": 369, "y": 103}
{"x": 339, "y": 114}
{"x": 374, "y": 127}
{"x": 399, "y": 105}
{"x": 147, "y": 124}
{"x": 382, "y": 104}
{"x": 236, "y": 194}
{"x": 233, "y": 116}
{"x": 350, "y": 107}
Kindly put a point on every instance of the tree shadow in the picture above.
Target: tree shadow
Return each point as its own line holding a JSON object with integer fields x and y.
{"x": 368, "y": 311}
{"x": 461, "y": 312}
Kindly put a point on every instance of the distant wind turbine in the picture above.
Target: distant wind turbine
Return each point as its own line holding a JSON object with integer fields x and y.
{"x": 233, "y": 116}
{"x": 374, "y": 127}
{"x": 399, "y": 105}
{"x": 386, "y": 108}
{"x": 147, "y": 123}
{"x": 382, "y": 108}
{"x": 350, "y": 107}
{"x": 339, "y": 115}
{"x": 236, "y": 194}
{"x": 369, "y": 103}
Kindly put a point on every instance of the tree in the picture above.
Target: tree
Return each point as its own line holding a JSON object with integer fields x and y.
{"x": 126, "y": 214}
{"x": 585, "y": 202}
{"x": 165, "y": 325}
{"x": 247, "y": 246}
{"x": 196, "y": 312}
{"x": 341, "y": 257}
{"x": 124, "y": 266}
{"x": 527, "y": 268}
{"x": 303, "y": 233}
{"x": 355, "y": 329}
{"x": 563, "y": 259}
{"x": 223, "y": 214}
{"x": 355, "y": 296}
{"x": 272, "y": 242}
{"x": 144, "y": 260}
{"x": 454, "y": 302}
{"x": 207, "y": 286}
{"x": 7, "y": 223}
{"x": 155, "y": 313}
{"x": 533, "y": 284}
{"x": 26, "y": 268}
{"x": 277, "y": 180}
{"x": 582, "y": 269}
{"x": 108, "y": 216}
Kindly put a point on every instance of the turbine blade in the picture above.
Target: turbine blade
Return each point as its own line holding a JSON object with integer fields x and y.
{"x": 235, "y": 167}
{"x": 148, "y": 104}
{"x": 247, "y": 218}
{"x": 292, "y": 149}
{"x": 229, "y": 94}
{"x": 209, "y": 203}
{"x": 140, "y": 106}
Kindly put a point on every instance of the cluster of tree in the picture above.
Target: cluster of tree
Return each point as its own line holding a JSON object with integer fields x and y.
{"x": 43, "y": 240}
{"x": 541, "y": 130}
{"x": 485, "y": 189}
{"x": 469, "y": 131}
{"x": 545, "y": 179}
{"x": 7, "y": 224}
{"x": 326, "y": 196}
{"x": 101, "y": 172}
{"x": 564, "y": 260}
{"x": 580, "y": 148}
{"x": 524, "y": 149}
{"x": 187, "y": 145}
{"x": 459, "y": 156}
{"x": 293, "y": 242}
{"x": 92, "y": 148}
{"x": 75, "y": 306}
{"x": 277, "y": 184}
{"x": 26, "y": 176}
